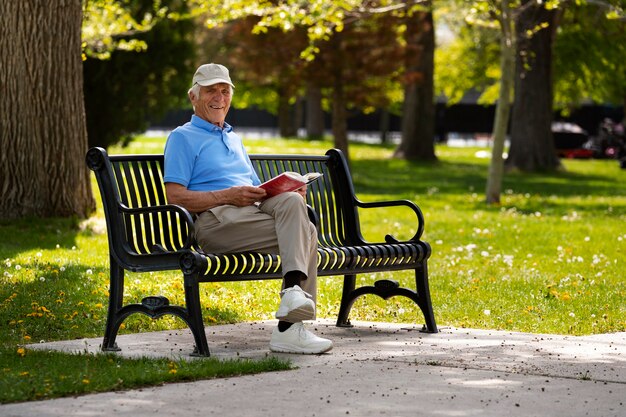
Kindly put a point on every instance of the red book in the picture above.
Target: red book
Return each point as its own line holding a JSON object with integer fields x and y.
{"x": 288, "y": 181}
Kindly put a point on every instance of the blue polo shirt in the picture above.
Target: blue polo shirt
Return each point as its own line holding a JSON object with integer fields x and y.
{"x": 202, "y": 157}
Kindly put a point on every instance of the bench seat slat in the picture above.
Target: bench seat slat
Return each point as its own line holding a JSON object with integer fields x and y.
{"x": 330, "y": 260}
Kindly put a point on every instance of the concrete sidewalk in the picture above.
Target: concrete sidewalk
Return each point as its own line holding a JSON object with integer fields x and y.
{"x": 375, "y": 369}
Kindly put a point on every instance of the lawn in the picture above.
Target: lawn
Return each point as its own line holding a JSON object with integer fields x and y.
{"x": 549, "y": 259}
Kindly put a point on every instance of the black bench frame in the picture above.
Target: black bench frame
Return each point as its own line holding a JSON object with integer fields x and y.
{"x": 147, "y": 234}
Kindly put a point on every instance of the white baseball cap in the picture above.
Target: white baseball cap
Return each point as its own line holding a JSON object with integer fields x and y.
{"x": 209, "y": 74}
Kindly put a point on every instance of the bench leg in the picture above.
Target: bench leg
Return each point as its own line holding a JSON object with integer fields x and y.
{"x": 116, "y": 295}
{"x": 194, "y": 320}
{"x": 424, "y": 301}
{"x": 349, "y": 284}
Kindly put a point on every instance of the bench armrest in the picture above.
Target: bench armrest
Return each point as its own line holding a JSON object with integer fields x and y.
{"x": 183, "y": 213}
{"x": 395, "y": 203}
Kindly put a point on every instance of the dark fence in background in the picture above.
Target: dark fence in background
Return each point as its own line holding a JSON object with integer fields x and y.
{"x": 458, "y": 118}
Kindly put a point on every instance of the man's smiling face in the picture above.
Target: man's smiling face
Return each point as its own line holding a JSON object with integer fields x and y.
{"x": 213, "y": 103}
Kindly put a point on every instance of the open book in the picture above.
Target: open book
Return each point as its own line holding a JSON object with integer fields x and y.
{"x": 288, "y": 181}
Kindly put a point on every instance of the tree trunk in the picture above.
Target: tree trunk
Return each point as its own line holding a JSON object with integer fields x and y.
{"x": 42, "y": 117}
{"x": 418, "y": 121}
{"x": 385, "y": 122}
{"x": 340, "y": 113}
{"x": 314, "y": 113}
{"x": 286, "y": 116}
{"x": 532, "y": 144}
{"x": 298, "y": 115}
{"x": 340, "y": 119}
{"x": 503, "y": 107}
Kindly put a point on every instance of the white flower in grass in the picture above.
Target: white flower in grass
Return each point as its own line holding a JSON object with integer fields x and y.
{"x": 487, "y": 312}
{"x": 42, "y": 279}
{"x": 89, "y": 272}
{"x": 508, "y": 259}
{"x": 62, "y": 269}
{"x": 572, "y": 314}
{"x": 484, "y": 254}
{"x": 18, "y": 267}
{"x": 39, "y": 254}
{"x": 587, "y": 238}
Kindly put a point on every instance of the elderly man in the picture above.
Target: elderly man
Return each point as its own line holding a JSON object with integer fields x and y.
{"x": 208, "y": 171}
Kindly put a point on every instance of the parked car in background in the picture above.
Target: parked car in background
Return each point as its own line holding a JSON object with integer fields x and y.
{"x": 571, "y": 140}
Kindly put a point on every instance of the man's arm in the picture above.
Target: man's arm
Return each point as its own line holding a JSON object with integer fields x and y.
{"x": 199, "y": 201}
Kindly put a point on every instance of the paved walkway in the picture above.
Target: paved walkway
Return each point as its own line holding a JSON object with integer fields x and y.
{"x": 375, "y": 369}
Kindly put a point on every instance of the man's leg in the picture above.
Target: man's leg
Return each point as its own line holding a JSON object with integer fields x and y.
{"x": 280, "y": 226}
{"x": 297, "y": 240}
{"x": 238, "y": 229}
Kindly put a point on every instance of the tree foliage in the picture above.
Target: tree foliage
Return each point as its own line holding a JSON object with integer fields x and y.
{"x": 330, "y": 27}
{"x": 128, "y": 89}
{"x": 589, "y": 57}
{"x": 109, "y": 25}
{"x": 357, "y": 68}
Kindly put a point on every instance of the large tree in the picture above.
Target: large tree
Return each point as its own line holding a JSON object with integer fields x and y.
{"x": 42, "y": 115}
{"x": 532, "y": 145}
{"x": 43, "y": 138}
{"x": 418, "y": 116}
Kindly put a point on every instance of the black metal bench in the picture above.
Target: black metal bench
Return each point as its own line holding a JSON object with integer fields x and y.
{"x": 147, "y": 234}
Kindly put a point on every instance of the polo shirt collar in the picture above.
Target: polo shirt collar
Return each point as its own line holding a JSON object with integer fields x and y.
{"x": 203, "y": 124}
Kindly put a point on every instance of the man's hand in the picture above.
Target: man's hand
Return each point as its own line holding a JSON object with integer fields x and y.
{"x": 242, "y": 196}
{"x": 302, "y": 191}
{"x": 199, "y": 201}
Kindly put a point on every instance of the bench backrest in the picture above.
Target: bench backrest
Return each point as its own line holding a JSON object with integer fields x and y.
{"x": 324, "y": 195}
{"x": 129, "y": 183}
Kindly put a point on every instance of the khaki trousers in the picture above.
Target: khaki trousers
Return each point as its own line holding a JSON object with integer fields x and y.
{"x": 280, "y": 225}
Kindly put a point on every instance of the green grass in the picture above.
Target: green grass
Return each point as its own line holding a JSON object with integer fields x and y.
{"x": 25, "y": 378}
{"x": 549, "y": 259}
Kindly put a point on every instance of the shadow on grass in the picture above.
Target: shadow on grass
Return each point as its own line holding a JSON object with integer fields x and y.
{"x": 403, "y": 178}
{"x": 56, "y": 302}
{"x": 35, "y": 233}
{"x": 54, "y": 296}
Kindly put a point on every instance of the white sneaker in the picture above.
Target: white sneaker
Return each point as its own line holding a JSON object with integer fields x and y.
{"x": 297, "y": 339}
{"x": 295, "y": 305}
